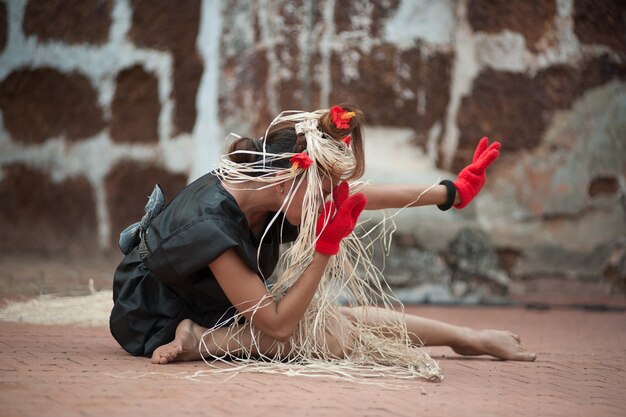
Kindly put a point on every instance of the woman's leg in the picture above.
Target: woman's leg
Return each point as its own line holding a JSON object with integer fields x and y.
{"x": 463, "y": 340}
{"x": 184, "y": 347}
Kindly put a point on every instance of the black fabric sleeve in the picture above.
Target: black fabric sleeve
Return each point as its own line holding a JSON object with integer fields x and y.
{"x": 191, "y": 248}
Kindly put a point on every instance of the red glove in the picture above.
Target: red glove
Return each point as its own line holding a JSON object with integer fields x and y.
{"x": 340, "y": 217}
{"x": 472, "y": 178}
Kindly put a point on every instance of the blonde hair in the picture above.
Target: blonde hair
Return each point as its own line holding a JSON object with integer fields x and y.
{"x": 350, "y": 277}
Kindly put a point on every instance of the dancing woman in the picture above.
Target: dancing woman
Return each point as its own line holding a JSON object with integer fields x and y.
{"x": 195, "y": 279}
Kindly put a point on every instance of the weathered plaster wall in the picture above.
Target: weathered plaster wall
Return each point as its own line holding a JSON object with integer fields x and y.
{"x": 99, "y": 100}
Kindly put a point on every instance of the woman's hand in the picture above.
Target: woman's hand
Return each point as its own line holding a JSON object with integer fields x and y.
{"x": 338, "y": 219}
{"x": 472, "y": 178}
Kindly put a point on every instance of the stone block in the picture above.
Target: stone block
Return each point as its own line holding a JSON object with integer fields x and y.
{"x": 561, "y": 85}
{"x": 601, "y": 22}
{"x": 433, "y": 83}
{"x": 603, "y": 184}
{"x": 600, "y": 70}
{"x": 165, "y": 25}
{"x": 410, "y": 267}
{"x": 474, "y": 262}
{"x": 300, "y": 88}
{"x": 128, "y": 186}
{"x": 360, "y": 78}
{"x": 39, "y": 215}
{"x": 530, "y": 18}
{"x": 505, "y": 106}
{"x": 240, "y": 28}
{"x": 516, "y": 108}
{"x": 70, "y": 21}
{"x": 135, "y": 108}
{"x": 188, "y": 70}
{"x": 38, "y": 104}
{"x": 243, "y": 89}
{"x": 394, "y": 87}
{"x": 173, "y": 26}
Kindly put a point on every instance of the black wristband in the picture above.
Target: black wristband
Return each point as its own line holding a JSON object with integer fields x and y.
{"x": 451, "y": 195}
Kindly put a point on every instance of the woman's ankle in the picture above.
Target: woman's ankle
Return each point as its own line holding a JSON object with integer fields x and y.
{"x": 467, "y": 342}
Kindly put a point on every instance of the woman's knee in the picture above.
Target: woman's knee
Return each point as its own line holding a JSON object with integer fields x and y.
{"x": 355, "y": 313}
{"x": 340, "y": 339}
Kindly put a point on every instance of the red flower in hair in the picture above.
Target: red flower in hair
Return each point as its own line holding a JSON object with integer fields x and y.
{"x": 347, "y": 140}
{"x": 301, "y": 160}
{"x": 341, "y": 118}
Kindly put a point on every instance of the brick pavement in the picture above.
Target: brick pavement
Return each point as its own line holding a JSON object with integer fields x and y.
{"x": 67, "y": 371}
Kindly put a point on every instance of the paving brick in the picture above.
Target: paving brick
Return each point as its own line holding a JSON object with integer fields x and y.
{"x": 81, "y": 371}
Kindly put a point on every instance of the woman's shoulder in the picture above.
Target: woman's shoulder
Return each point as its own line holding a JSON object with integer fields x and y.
{"x": 198, "y": 225}
{"x": 205, "y": 197}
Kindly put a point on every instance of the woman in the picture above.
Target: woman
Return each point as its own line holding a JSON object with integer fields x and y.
{"x": 193, "y": 282}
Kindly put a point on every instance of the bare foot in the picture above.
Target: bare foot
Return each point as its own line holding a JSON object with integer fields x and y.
{"x": 184, "y": 347}
{"x": 499, "y": 343}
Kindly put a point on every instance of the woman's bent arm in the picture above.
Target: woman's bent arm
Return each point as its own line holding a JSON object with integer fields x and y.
{"x": 245, "y": 290}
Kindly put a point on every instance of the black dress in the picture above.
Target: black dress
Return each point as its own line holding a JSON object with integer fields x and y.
{"x": 173, "y": 282}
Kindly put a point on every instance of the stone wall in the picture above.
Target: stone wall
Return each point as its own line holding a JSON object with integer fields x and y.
{"x": 100, "y": 99}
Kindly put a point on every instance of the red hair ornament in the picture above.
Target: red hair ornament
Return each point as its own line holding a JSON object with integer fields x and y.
{"x": 300, "y": 160}
{"x": 341, "y": 118}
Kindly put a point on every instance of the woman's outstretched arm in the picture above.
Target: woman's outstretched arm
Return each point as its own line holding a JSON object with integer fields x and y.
{"x": 468, "y": 184}
{"x": 397, "y": 196}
